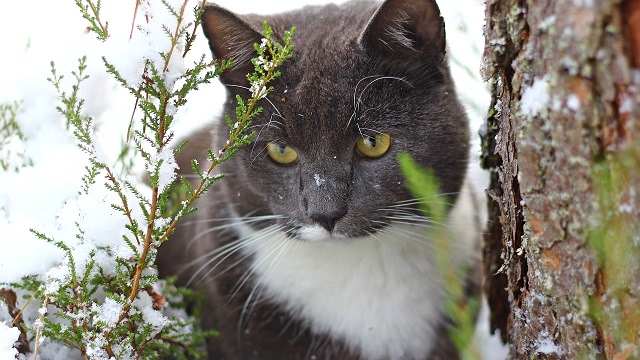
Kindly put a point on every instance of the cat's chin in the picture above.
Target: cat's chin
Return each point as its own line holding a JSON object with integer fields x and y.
{"x": 316, "y": 233}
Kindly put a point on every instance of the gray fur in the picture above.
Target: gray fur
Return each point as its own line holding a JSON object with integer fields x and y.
{"x": 358, "y": 69}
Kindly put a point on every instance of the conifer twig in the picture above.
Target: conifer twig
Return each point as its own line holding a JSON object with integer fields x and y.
{"x": 191, "y": 37}
{"x": 174, "y": 39}
{"x": 97, "y": 17}
{"x": 238, "y": 130}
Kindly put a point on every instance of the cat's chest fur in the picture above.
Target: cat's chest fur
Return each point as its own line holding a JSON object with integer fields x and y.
{"x": 380, "y": 295}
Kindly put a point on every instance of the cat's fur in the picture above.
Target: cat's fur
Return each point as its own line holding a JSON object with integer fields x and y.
{"x": 326, "y": 258}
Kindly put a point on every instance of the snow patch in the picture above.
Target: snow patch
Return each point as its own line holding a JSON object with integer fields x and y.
{"x": 547, "y": 347}
{"x": 626, "y": 106}
{"x": 8, "y": 337}
{"x": 108, "y": 312}
{"x": 573, "y": 102}
{"x": 535, "y": 98}
{"x": 319, "y": 181}
{"x": 164, "y": 163}
{"x": 144, "y": 304}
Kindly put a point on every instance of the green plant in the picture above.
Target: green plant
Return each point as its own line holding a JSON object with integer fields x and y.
{"x": 457, "y": 306}
{"x": 104, "y": 299}
{"x": 11, "y": 138}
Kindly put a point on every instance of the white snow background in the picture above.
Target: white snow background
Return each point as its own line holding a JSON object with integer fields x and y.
{"x": 44, "y": 195}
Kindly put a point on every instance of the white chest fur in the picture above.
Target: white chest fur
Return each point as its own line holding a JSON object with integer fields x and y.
{"x": 381, "y": 294}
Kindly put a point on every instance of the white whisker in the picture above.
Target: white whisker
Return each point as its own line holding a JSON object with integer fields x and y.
{"x": 222, "y": 253}
{"x": 247, "y": 276}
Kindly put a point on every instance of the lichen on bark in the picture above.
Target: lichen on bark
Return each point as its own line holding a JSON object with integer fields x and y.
{"x": 545, "y": 156}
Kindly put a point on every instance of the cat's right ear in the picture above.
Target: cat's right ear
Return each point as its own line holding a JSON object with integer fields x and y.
{"x": 230, "y": 37}
{"x": 406, "y": 27}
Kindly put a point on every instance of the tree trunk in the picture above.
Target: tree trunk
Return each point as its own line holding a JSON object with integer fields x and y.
{"x": 561, "y": 252}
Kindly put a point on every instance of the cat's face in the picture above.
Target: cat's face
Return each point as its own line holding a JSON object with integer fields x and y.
{"x": 324, "y": 158}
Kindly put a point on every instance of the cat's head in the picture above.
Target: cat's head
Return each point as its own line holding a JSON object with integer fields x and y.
{"x": 366, "y": 82}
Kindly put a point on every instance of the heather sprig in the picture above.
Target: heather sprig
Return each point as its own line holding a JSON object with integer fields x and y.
{"x": 104, "y": 299}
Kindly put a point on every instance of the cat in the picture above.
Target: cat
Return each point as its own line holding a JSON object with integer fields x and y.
{"x": 312, "y": 248}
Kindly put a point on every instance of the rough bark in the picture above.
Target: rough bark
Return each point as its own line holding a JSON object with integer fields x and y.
{"x": 555, "y": 286}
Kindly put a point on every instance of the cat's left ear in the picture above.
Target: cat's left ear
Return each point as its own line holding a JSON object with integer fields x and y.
{"x": 406, "y": 26}
{"x": 230, "y": 37}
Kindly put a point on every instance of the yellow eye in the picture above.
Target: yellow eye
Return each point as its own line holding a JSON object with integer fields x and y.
{"x": 374, "y": 146}
{"x": 281, "y": 154}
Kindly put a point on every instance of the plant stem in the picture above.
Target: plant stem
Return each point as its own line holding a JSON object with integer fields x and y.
{"x": 125, "y": 203}
{"x": 174, "y": 39}
{"x": 192, "y": 36}
{"x": 232, "y": 138}
{"x": 95, "y": 13}
{"x": 39, "y": 332}
{"x": 133, "y": 21}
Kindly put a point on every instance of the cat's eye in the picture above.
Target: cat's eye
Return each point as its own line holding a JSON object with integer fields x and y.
{"x": 281, "y": 154}
{"x": 374, "y": 146}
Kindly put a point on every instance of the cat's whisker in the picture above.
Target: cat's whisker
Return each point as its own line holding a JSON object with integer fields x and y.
{"x": 254, "y": 266}
{"x": 254, "y": 158}
{"x": 356, "y": 105}
{"x": 372, "y": 130}
{"x": 403, "y": 211}
{"x": 256, "y": 141}
{"x": 266, "y": 98}
{"x": 250, "y": 304}
{"x": 275, "y": 123}
{"x": 407, "y": 235}
{"x": 359, "y": 101}
{"x": 228, "y": 250}
{"x": 433, "y": 196}
{"x": 247, "y": 219}
{"x": 418, "y": 222}
{"x": 415, "y": 205}
{"x": 212, "y": 256}
{"x": 252, "y": 300}
{"x": 431, "y": 224}
{"x": 383, "y": 245}
{"x": 232, "y": 222}
{"x": 410, "y": 219}
{"x": 360, "y": 130}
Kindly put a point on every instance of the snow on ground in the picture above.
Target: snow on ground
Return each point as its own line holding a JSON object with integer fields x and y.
{"x": 44, "y": 196}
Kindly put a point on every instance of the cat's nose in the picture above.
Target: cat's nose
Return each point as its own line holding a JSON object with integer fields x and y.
{"x": 327, "y": 219}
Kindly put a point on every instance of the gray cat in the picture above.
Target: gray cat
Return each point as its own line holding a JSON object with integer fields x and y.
{"x": 312, "y": 247}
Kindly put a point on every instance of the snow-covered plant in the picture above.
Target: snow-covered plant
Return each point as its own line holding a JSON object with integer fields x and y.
{"x": 11, "y": 138}
{"x": 103, "y": 297}
{"x": 460, "y": 308}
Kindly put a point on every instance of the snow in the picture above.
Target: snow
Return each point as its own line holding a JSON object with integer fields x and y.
{"x": 108, "y": 312}
{"x": 46, "y": 196}
{"x": 626, "y": 106}
{"x": 144, "y": 304}
{"x": 8, "y": 336}
{"x": 545, "y": 344}
{"x": 535, "y": 98}
{"x": 319, "y": 181}
{"x": 573, "y": 102}
{"x": 165, "y": 164}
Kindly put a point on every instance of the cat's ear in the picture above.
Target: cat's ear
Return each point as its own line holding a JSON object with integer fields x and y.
{"x": 406, "y": 26}
{"x": 230, "y": 37}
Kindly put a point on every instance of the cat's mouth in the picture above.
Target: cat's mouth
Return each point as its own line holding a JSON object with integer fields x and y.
{"x": 316, "y": 233}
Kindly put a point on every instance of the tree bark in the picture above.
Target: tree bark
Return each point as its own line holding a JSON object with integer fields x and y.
{"x": 561, "y": 251}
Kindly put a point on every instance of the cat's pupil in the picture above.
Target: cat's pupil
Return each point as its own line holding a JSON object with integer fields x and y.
{"x": 281, "y": 149}
{"x": 372, "y": 141}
